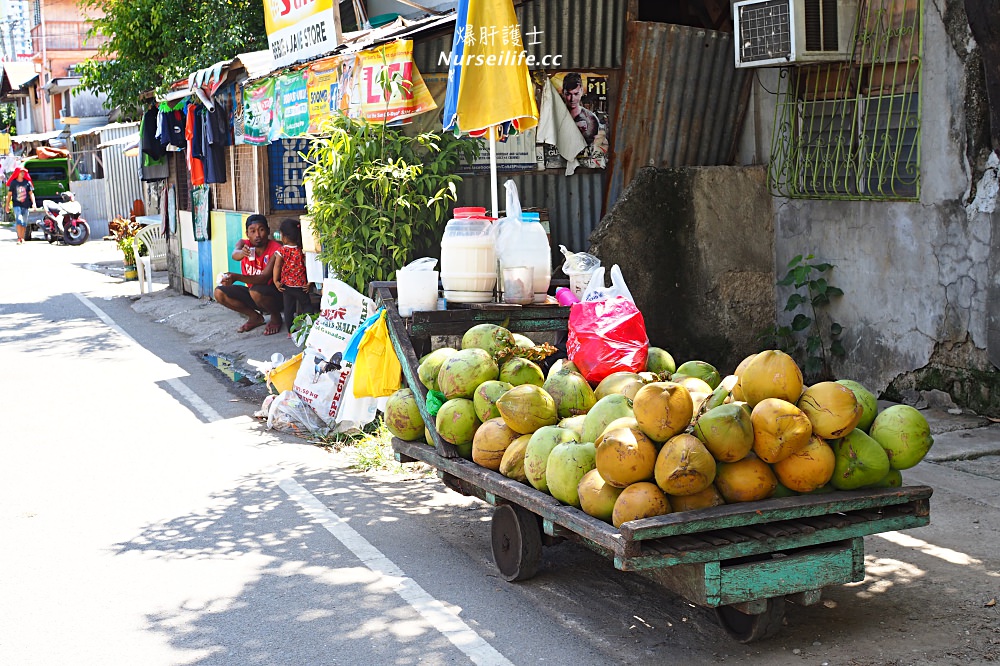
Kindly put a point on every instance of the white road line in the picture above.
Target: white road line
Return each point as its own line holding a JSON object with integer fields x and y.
{"x": 203, "y": 408}
{"x": 433, "y": 611}
{"x": 461, "y": 635}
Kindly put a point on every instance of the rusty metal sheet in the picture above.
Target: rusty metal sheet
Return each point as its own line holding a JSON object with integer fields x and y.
{"x": 682, "y": 101}
{"x": 588, "y": 34}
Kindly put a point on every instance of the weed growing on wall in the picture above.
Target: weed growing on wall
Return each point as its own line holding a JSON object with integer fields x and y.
{"x": 811, "y": 343}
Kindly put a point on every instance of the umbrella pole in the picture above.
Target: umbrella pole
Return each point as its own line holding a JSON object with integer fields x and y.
{"x": 493, "y": 172}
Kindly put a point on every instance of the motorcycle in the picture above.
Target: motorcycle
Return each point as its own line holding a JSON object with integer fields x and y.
{"x": 62, "y": 221}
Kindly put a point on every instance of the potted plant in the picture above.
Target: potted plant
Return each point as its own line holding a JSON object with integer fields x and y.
{"x": 123, "y": 230}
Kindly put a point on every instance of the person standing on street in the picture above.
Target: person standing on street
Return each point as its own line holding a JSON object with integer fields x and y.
{"x": 290, "y": 272}
{"x": 19, "y": 193}
{"x": 257, "y": 296}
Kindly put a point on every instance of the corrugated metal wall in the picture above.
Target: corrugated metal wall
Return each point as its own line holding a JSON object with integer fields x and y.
{"x": 682, "y": 101}
{"x": 121, "y": 173}
{"x": 573, "y": 204}
{"x": 91, "y": 197}
{"x": 589, "y": 34}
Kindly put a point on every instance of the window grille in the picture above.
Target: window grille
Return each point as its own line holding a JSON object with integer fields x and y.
{"x": 852, "y": 130}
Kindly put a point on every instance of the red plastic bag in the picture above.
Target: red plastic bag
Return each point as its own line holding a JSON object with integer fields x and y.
{"x": 605, "y": 337}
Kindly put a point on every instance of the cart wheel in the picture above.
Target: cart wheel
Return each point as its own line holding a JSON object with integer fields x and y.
{"x": 517, "y": 542}
{"x": 749, "y": 628}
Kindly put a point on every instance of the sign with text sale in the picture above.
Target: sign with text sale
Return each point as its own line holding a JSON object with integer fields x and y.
{"x": 298, "y": 29}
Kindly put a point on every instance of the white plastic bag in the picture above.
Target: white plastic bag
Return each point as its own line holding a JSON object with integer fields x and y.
{"x": 325, "y": 381}
{"x": 598, "y": 291}
{"x": 510, "y": 233}
{"x": 288, "y": 413}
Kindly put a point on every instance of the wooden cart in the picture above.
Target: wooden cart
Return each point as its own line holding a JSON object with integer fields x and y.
{"x": 742, "y": 560}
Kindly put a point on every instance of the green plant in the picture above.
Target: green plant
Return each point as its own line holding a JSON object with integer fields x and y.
{"x": 123, "y": 230}
{"x": 301, "y": 325}
{"x": 810, "y": 296}
{"x": 379, "y": 195}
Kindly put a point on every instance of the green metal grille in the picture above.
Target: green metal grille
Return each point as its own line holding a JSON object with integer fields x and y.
{"x": 851, "y": 130}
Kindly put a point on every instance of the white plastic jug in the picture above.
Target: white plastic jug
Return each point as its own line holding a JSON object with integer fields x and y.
{"x": 468, "y": 257}
{"x": 528, "y": 245}
{"x": 417, "y": 287}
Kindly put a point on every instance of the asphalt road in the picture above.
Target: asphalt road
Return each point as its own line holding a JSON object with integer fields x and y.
{"x": 147, "y": 518}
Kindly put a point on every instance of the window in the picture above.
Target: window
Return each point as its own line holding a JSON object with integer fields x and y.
{"x": 852, "y": 130}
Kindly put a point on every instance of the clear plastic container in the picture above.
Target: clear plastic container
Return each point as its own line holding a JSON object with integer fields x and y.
{"x": 468, "y": 257}
{"x": 532, "y": 249}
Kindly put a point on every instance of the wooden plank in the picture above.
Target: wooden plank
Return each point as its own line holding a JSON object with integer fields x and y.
{"x": 767, "y": 511}
{"x": 756, "y": 547}
{"x": 807, "y": 570}
{"x": 408, "y": 361}
{"x": 602, "y": 534}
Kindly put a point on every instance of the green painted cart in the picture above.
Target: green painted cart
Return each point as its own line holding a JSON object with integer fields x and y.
{"x": 743, "y": 560}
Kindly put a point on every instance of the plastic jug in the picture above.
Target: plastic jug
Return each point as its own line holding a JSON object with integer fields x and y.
{"x": 468, "y": 257}
{"x": 417, "y": 287}
{"x": 529, "y": 246}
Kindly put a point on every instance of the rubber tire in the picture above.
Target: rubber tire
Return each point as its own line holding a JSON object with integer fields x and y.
{"x": 49, "y": 238}
{"x": 516, "y": 537}
{"x": 82, "y": 233}
{"x": 27, "y": 233}
{"x": 749, "y": 628}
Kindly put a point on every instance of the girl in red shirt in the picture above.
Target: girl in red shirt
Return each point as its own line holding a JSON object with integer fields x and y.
{"x": 290, "y": 271}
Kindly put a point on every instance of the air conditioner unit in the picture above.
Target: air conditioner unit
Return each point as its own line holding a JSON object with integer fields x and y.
{"x": 785, "y": 32}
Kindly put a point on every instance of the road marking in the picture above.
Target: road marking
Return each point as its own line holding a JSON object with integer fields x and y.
{"x": 433, "y": 611}
{"x": 461, "y": 635}
{"x": 204, "y": 409}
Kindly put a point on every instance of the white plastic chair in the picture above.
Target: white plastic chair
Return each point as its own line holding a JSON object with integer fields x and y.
{"x": 152, "y": 237}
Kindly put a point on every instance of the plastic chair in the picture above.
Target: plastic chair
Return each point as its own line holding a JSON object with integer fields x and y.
{"x": 152, "y": 237}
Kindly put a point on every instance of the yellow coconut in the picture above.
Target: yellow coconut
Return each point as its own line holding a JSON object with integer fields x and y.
{"x": 706, "y": 499}
{"x": 779, "y": 429}
{"x": 807, "y": 469}
{"x": 832, "y": 408}
{"x": 617, "y": 382}
{"x": 662, "y": 409}
{"x": 639, "y": 500}
{"x": 597, "y": 496}
{"x": 512, "y": 463}
{"x": 625, "y": 456}
{"x": 623, "y": 422}
{"x": 490, "y": 442}
{"x": 745, "y": 480}
{"x": 684, "y": 466}
{"x": 738, "y": 372}
{"x": 771, "y": 374}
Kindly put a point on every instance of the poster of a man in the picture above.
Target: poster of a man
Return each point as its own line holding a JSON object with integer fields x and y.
{"x": 586, "y": 98}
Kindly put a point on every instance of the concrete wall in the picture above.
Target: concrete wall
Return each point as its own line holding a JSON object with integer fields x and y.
{"x": 919, "y": 279}
{"x": 695, "y": 247}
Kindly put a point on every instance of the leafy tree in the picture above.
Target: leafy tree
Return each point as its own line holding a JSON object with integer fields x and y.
{"x": 153, "y": 43}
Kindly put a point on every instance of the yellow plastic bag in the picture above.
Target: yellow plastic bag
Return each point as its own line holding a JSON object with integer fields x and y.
{"x": 377, "y": 372}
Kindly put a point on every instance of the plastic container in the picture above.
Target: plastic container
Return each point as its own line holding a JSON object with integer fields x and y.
{"x": 566, "y": 296}
{"x": 532, "y": 249}
{"x": 417, "y": 287}
{"x": 518, "y": 284}
{"x": 281, "y": 377}
{"x": 579, "y": 267}
{"x": 468, "y": 257}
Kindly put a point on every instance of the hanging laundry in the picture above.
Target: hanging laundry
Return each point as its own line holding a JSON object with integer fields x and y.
{"x": 556, "y": 127}
{"x": 212, "y": 146}
{"x": 195, "y": 167}
{"x": 152, "y": 162}
{"x": 5, "y": 144}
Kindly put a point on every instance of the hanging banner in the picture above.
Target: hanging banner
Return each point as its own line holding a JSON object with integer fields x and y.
{"x": 396, "y": 59}
{"x": 299, "y": 29}
{"x": 293, "y": 93}
{"x": 259, "y": 112}
{"x": 332, "y": 88}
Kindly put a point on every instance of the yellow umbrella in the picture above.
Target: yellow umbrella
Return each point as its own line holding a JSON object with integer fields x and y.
{"x": 489, "y": 89}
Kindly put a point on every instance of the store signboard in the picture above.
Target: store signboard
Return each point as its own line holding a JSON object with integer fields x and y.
{"x": 300, "y": 29}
